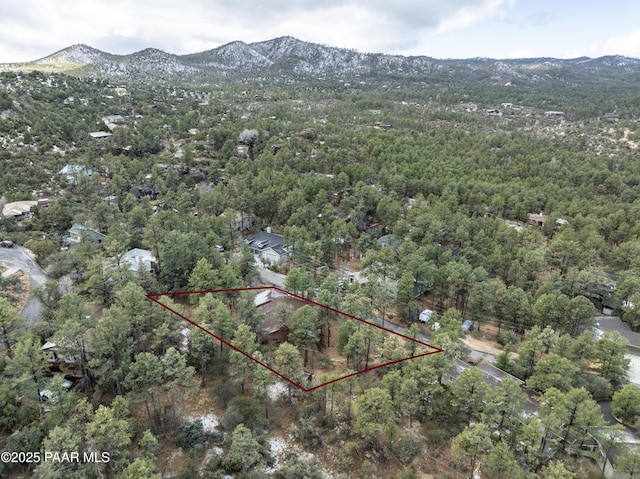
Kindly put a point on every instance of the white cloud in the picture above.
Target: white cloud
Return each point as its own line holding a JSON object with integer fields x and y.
{"x": 445, "y": 29}
{"x": 471, "y": 14}
{"x": 627, "y": 45}
{"x": 351, "y": 27}
{"x": 38, "y": 27}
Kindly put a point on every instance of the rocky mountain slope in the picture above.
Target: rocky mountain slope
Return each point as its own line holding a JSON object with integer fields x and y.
{"x": 289, "y": 57}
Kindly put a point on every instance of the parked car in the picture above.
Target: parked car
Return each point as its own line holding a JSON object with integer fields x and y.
{"x": 425, "y": 316}
{"x": 6, "y": 244}
{"x": 47, "y": 396}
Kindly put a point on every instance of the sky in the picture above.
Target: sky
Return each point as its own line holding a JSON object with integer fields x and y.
{"x": 32, "y": 29}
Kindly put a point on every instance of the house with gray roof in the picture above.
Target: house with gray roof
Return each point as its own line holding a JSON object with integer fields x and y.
{"x": 269, "y": 246}
{"x": 73, "y": 172}
{"x": 138, "y": 257}
{"x": 79, "y": 233}
{"x": 100, "y": 136}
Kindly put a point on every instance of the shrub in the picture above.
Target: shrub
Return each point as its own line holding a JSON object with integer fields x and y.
{"x": 189, "y": 434}
{"x": 249, "y": 412}
{"x": 308, "y": 434}
{"x": 408, "y": 448}
{"x": 325, "y": 361}
{"x": 348, "y": 454}
{"x": 598, "y": 386}
{"x": 224, "y": 392}
{"x": 437, "y": 435}
{"x": 407, "y": 474}
{"x": 506, "y": 337}
{"x": 294, "y": 467}
{"x": 231, "y": 420}
{"x": 368, "y": 468}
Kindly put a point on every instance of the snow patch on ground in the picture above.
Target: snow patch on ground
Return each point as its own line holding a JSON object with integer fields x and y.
{"x": 184, "y": 342}
{"x": 277, "y": 390}
{"x": 279, "y": 446}
{"x": 210, "y": 422}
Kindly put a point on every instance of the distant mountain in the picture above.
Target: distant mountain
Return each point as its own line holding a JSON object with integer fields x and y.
{"x": 76, "y": 54}
{"x": 84, "y": 60}
{"x": 290, "y": 57}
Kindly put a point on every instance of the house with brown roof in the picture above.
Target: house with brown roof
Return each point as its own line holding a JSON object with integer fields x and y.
{"x": 540, "y": 220}
{"x": 273, "y": 332}
{"x": 60, "y": 362}
{"x": 537, "y": 219}
{"x": 242, "y": 149}
{"x": 308, "y": 133}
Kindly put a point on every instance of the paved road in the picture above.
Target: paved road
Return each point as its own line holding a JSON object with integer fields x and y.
{"x": 269, "y": 277}
{"x": 613, "y": 323}
{"x": 17, "y": 258}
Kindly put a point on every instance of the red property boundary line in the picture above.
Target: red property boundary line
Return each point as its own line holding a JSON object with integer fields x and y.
{"x": 435, "y": 350}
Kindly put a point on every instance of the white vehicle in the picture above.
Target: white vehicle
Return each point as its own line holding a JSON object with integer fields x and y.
{"x": 425, "y": 316}
{"x": 47, "y": 396}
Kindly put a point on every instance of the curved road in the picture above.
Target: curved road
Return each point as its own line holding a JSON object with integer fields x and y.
{"x": 16, "y": 258}
{"x": 614, "y": 323}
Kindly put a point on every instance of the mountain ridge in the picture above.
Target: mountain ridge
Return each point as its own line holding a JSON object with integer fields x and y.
{"x": 289, "y": 56}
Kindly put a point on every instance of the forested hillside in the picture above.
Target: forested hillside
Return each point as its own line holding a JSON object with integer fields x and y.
{"x": 512, "y": 202}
